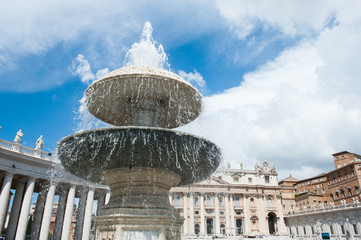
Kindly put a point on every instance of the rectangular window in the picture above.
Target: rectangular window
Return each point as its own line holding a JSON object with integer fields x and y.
{"x": 355, "y": 228}
{"x": 236, "y": 179}
{"x": 331, "y": 229}
{"x": 249, "y": 180}
{"x": 266, "y": 178}
{"x": 342, "y": 229}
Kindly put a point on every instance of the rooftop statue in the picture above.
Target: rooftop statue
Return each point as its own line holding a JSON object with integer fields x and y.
{"x": 18, "y": 136}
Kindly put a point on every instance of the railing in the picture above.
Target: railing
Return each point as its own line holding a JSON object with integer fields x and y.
{"x": 325, "y": 209}
{"x": 15, "y": 147}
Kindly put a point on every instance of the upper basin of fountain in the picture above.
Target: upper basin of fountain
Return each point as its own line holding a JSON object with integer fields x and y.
{"x": 143, "y": 96}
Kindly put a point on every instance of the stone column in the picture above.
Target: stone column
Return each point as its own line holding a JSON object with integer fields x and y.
{"x": 227, "y": 214}
{"x": 107, "y": 197}
{"x": 191, "y": 210}
{"x": 246, "y": 215}
{"x": 88, "y": 214}
{"x": 281, "y": 223}
{"x": 80, "y": 216}
{"x": 68, "y": 215}
{"x": 185, "y": 214}
{"x": 38, "y": 214}
{"x": 202, "y": 230}
{"x": 48, "y": 210}
{"x": 60, "y": 213}
{"x": 216, "y": 210}
{"x": 25, "y": 208}
{"x": 231, "y": 209}
{"x": 262, "y": 218}
{"x": 4, "y": 197}
{"x": 15, "y": 211}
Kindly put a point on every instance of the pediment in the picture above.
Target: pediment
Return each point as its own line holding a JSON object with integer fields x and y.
{"x": 213, "y": 181}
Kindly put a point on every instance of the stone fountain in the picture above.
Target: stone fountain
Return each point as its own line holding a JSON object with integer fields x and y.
{"x": 141, "y": 158}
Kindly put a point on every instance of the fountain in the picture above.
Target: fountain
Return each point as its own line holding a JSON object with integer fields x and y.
{"x": 140, "y": 158}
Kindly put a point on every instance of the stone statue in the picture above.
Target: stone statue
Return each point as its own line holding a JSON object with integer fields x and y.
{"x": 18, "y": 136}
{"x": 39, "y": 143}
{"x": 228, "y": 165}
{"x": 241, "y": 166}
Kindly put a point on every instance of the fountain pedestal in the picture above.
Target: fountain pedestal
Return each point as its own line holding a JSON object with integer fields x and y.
{"x": 139, "y": 205}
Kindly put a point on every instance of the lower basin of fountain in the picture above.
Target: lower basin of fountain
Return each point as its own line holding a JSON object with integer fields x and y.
{"x": 90, "y": 153}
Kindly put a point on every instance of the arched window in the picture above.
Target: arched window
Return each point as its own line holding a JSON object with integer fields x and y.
{"x": 177, "y": 200}
{"x": 196, "y": 229}
{"x": 269, "y": 202}
{"x": 236, "y": 200}
{"x": 223, "y": 229}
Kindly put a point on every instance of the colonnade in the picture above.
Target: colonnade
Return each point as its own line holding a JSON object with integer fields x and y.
{"x": 15, "y": 221}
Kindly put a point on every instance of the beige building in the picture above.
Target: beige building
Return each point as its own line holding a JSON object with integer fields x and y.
{"x": 232, "y": 202}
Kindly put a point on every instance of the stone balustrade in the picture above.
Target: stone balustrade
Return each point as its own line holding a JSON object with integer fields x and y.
{"x": 325, "y": 209}
{"x": 26, "y": 150}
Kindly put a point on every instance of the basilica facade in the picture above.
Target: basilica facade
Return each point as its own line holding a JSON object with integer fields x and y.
{"x": 232, "y": 202}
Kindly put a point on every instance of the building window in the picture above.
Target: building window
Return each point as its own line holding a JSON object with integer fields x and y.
{"x": 236, "y": 201}
{"x": 196, "y": 212}
{"x": 221, "y": 212}
{"x": 238, "y": 213}
{"x": 269, "y": 202}
{"x": 249, "y": 180}
{"x": 357, "y": 190}
{"x": 208, "y": 201}
{"x": 236, "y": 179}
{"x": 339, "y": 178}
{"x": 196, "y": 229}
{"x": 323, "y": 191}
{"x": 266, "y": 178}
{"x": 304, "y": 230}
{"x": 177, "y": 200}
{"x": 355, "y": 228}
{"x": 337, "y": 195}
{"x": 223, "y": 229}
{"x": 331, "y": 229}
{"x": 195, "y": 201}
{"x": 220, "y": 201}
{"x": 342, "y": 229}
{"x": 313, "y": 230}
{"x": 343, "y": 193}
{"x": 349, "y": 191}
{"x": 353, "y": 173}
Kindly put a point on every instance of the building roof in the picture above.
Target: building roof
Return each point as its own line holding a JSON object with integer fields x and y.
{"x": 289, "y": 179}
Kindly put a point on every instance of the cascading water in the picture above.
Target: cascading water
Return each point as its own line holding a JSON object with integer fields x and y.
{"x": 141, "y": 158}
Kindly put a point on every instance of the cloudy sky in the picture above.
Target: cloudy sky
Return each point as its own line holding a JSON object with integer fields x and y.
{"x": 280, "y": 79}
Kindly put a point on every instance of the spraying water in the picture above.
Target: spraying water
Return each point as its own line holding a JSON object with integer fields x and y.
{"x": 147, "y": 52}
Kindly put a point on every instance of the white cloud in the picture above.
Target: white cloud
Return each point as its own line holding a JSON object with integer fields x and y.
{"x": 81, "y": 67}
{"x": 290, "y": 17}
{"x": 294, "y": 111}
{"x": 193, "y": 77}
{"x": 101, "y": 73}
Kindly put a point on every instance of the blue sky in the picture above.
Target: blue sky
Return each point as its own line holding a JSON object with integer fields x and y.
{"x": 282, "y": 78}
